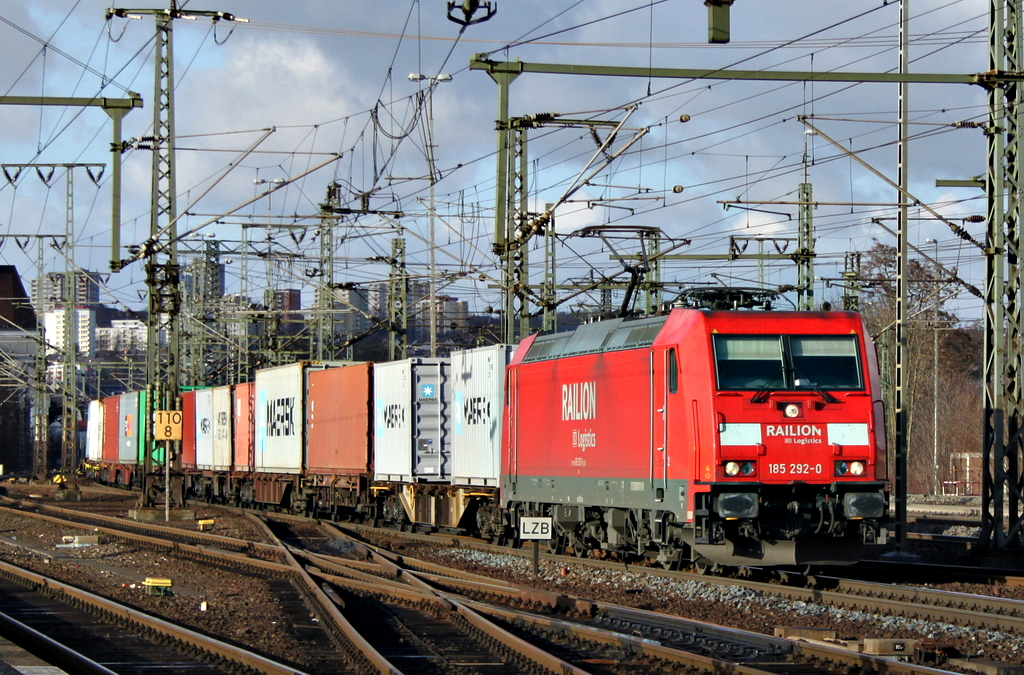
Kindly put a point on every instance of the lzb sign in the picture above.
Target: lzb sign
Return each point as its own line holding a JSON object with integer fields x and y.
{"x": 534, "y": 528}
{"x": 167, "y": 425}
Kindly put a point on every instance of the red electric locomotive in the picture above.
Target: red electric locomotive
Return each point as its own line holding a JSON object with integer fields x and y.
{"x": 718, "y": 437}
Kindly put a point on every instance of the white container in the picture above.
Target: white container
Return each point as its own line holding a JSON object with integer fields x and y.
{"x": 204, "y": 428}
{"x": 478, "y": 389}
{"x": 222, "y": 444}
{"x": 94, "y": 432}
{"x": 411, "y": 420}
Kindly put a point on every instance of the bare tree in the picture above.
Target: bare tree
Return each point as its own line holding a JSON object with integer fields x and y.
{"x": 943, "y": 388}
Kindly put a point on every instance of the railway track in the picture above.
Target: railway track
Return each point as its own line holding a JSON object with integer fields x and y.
{"x": 923, "y": 606}
{"x": 588, "y": 634}
{"x": 423, "y": 609}
{"x": 292, "y": 611}
{"x": 85, "y": 633}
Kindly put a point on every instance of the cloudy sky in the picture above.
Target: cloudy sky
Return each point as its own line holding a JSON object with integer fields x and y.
{"x": 327, "y": 82}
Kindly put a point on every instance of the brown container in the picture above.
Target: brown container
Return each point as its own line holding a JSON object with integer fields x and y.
{"x": 188, "y": 430}
{"x": 339, "y": 420}
{"x": 111, "y": 424}
{"x": 242, "y": 409}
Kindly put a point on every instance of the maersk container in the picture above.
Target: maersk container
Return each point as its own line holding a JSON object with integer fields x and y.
{"x": 188, "y": 430}
{"x": 244, "y": 415}
{"x": 111, "y": 422}
{"x": 94, "y": 432}
{"x": 222, "y": 446}
{"x": 338, "y": 420}
{"x": 478, "y": 388}
{"x": 204, "y": 428}
{"x": 412, "y": 439}
{"x": 280, "y": 405}
{"x": 130, "y": 430}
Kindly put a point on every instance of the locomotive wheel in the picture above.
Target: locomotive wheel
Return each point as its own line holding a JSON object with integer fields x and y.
{"x": 556, "y": 545}
{"x": 706, "y": 568}
{"x": 580, "y": 549}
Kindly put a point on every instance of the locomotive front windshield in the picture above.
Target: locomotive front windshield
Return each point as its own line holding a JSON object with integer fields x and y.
{"x": 787, "y": 362}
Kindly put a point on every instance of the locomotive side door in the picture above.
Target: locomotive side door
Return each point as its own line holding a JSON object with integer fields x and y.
{"x": 664, "y": 381}
{"x": 510, "y": 416}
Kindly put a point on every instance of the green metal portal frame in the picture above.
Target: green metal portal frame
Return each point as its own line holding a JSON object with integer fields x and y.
{"x": 511, "y": 237}
{"x": 116, "y": 108}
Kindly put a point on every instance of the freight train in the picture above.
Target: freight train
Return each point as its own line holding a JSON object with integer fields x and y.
{"x": 703, "y": 436}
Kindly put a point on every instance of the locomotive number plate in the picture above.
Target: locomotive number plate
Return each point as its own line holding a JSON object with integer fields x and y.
{"x": 797, "y": 469}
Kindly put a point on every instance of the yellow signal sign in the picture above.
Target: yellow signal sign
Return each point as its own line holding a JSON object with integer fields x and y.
{"x": 167, "y": 425}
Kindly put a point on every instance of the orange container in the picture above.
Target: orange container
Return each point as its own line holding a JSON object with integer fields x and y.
{"x": 339, "y": 420}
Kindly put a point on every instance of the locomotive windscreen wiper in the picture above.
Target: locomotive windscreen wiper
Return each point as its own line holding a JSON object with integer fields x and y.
{"x": 761, "y": 395}
{"x": 807, "y": 384}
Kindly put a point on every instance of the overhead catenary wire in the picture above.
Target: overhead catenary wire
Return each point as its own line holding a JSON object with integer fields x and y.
{"x": 723, "y": 184}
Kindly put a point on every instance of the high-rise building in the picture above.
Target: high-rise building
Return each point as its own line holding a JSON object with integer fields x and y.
{"x": 350, "y": 309}
{"x": 84, "y": 331}
{"x": 18, "y": 346}
{"x": 48, "y": 290}
{"x": 288, "y": 302}
{"x": 124, "y": 336}
{"x": 203, "y": 279}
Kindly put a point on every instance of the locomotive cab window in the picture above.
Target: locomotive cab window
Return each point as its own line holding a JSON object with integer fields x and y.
{"x": 787, "y": 362}
{"x": 749, "y": 361}
{"x": 825, "y": 362}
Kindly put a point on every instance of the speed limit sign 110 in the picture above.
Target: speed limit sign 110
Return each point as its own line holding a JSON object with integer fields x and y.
{"x": 167, "y": 425}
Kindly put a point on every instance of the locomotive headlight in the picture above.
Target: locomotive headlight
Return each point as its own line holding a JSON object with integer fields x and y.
{"x": 849, "y": 468}
{"x": 792, "y": 410}
{"x": 739, "y": 468}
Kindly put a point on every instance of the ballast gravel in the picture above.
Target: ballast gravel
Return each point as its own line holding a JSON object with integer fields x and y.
{"x": 729, "y": 606}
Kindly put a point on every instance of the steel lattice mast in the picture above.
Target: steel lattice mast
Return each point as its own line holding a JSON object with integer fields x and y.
{"x": 160, "y": 251}
{"x": 1004, "y": 408}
